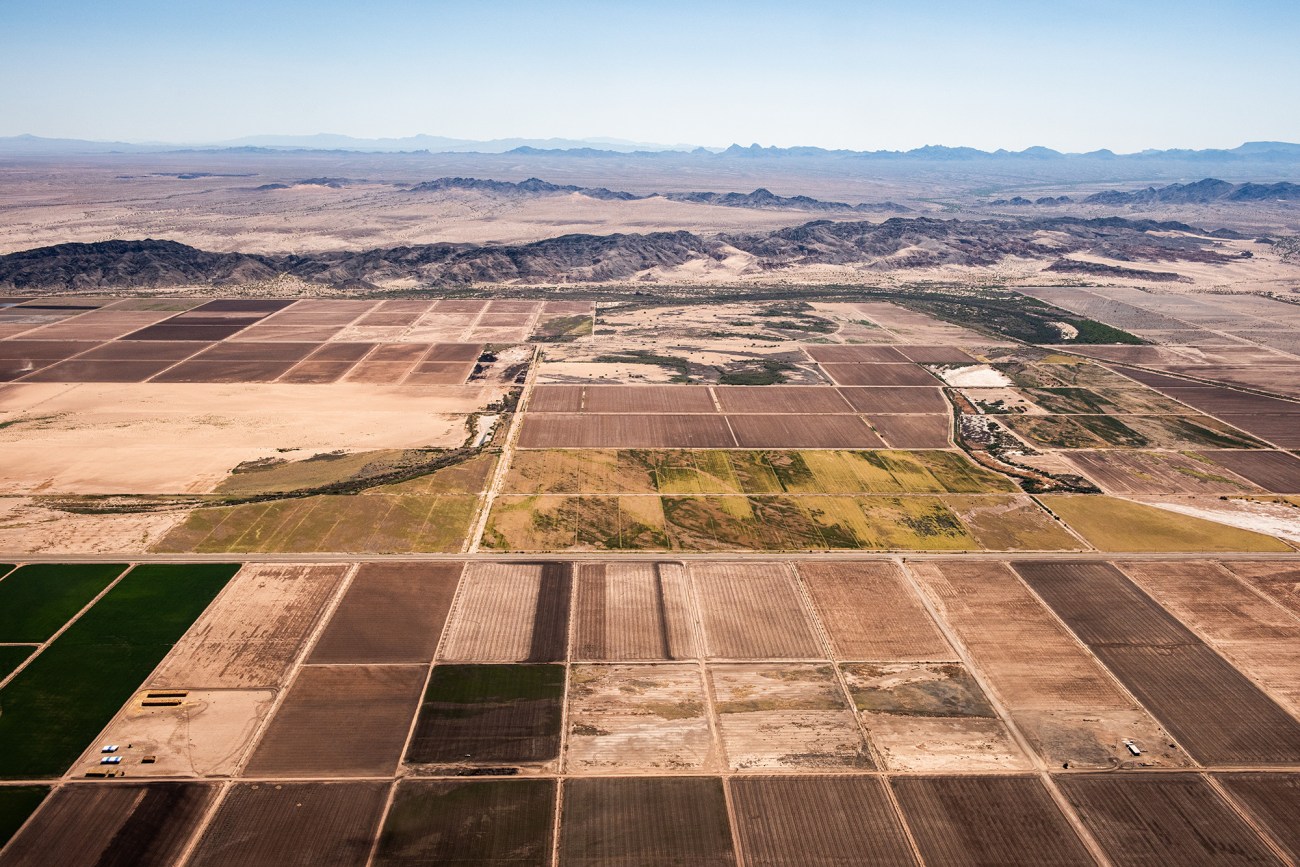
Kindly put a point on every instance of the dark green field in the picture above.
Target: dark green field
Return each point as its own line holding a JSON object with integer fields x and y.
{"x": 490, "y": 714}
{"x": 472, "y": 822}
{"x": 11, "y": 656}
{"x": 50, "y": 711}
{"x": 16, "y": 804}
{"x": 35, "y": 601}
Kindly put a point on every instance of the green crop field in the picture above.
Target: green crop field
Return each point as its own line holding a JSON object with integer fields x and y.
{"x": 52, "y": 709}
{"x": 35, "y": 601}
{"x": 16, "y": 804}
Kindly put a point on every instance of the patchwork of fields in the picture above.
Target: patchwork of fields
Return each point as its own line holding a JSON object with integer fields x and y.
{"x": 557, "y": 582}
{"x": 705, "y": 711}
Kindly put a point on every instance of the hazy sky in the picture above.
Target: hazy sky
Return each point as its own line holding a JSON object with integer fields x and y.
{"x": 1068, "y": 74}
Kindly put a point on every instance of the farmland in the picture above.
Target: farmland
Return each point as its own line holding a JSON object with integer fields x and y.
{"x": 544, "y": 583}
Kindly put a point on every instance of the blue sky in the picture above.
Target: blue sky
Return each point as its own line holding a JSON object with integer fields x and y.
{"x": 1071, "y": 75}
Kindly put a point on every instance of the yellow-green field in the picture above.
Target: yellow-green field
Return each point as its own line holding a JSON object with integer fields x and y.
{"x": 429, "y": 514}
{"x": 773, "y": 522}
{"x": 1112, "y": 524}
{"x": 687, "y": 472}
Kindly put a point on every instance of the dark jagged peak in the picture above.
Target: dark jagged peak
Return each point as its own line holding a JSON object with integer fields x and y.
{"x": 331, "y": 183}
{"x": 1201, "y": 192}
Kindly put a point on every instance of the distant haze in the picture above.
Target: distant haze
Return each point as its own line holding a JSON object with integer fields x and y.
{"x": 1075, "y": 75}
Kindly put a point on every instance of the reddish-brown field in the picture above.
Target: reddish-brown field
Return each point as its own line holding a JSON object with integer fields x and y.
{"x": 753, "y": 611}
{"x": 871, "y": 614}
{"x": 1163, "y": 819}
{"x": 454, "y": 352}
{"x": 341, "y": 721}
{"x": 802, "y": 432}
{"x": 391, "y": 613}
{"x": 556, "y": 398}
{"x": 645, "y": 820}
{"x": 440, "y": 373}
{"x": 985, "y": 820}
{"x": 913, "y": 431}
{"x": 878, "y": 374}
{"x": 647, "y": 399}
{"x": 77, "y": 370}
{"x": 855, "y": 354}
{"x": 1277, "y": 472}
{"x": 293, "y": 825}
{"x": 142, "y": 825}
{"x": 625, "y": 431}
{"x": 799, "y": 821}
{"x": 1273, "y": 801}
{"x": 311, "y": 372}
{"x": 911, "y": 400}
{"x": 469, "y": 822}
{"x": 800, "y": 399}
{"x": 197, "y": 370}
{"x": 628, "y": 611}
{"x": 936, "y": 354}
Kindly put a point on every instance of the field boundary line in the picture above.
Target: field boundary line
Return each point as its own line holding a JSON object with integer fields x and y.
{"x": 502, "y": 470}
{"x": 1253, "y": 589}
{"x": 1245, "y": 816}
{"x": 41, "y": 648}
{"x": 205, "y": 822}
{"x": 1038, "y": 762}
{"x": 562, "y": 760}
{"x": 295, "y": 668}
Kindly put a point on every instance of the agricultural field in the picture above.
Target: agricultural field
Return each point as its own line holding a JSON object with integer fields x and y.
{"x": 565, "y": 582}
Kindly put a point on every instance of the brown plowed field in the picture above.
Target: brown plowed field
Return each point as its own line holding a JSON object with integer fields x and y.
{"x": 629, "y": 611}
{"x": 197, "y": 370}
{"x": 99, "y": 325}
{"x": 1217, "y": 400}
{"x": 469, "y": 822}
{"x": 1061, "y": 698}
{"x": 1259, "y": 638}
{"x": 440, "y": 373}
{"x": 341, "y": 721}
{"x": 1282, "y": 430}
{"x": 1216, "y": 714}
{"x": 77, "y": 370}
{"x": 799, "y": 821}
{"x": 139, "y": 350}
{"x": 490, "y": 715}
{"x": 454, "y": 352}
{"x": 986, "y": 820}
{"x": 252, "y": 633}
{"x": 1278, "y": 581}
{"x": 786, "y": 716}
{"x": 342, "y": 352}
{"x": 111, "y": 824}
{"x": 878, "y": 374}
{"x": 1102, "y": 606}
{"x": 638, "y": 717}
{"x": 803, "y": 432}
{"x": 1278, "y": 472}
{"x": 1128, "y": 472}
{"x": 391, "y": 613}
{"x": 556, "y": 398}
{"x": 1165, "y": 819}
{"x": 645, "y": 820}
{"x": 511, "y": 612}
{"x": 257, "y": 352}
{"x": 322, "y": 312}
{"x": 317, "y": 371}
{"x": 913, "y": 431}
{"x": 871, "y": 614}
{"x": 169, "y": 331}
{"x": 1273, "y": 801}
{"x": 802, "y": 399}
{"x": 380, "y": 372}
{"x": 396, "y": 313}
{"x": 855, "y": 354}
{"x": 936, "y": 355}
{"x": 625, "y": 431}
{"x": 911, "y": 400}
{"x": 753, "y": 611}
{"x": 459, "y": 305}
{"x": 648, "y": 399}
{"x": 293, "y": 825}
